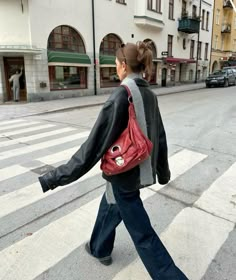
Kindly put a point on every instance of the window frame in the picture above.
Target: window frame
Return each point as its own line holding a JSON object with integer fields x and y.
{"x": 199, "y": 50}
{"x": 150, "y": 5}
{"x": 192, "y": 49}
{"x": 207, "y": 20}
{"x": 203, "y": 19}
{"x": 206, "y": 51}
{"x": 66, "y": 37}
{"x": 171, "y": 9}
{"x": 170, "y": 45}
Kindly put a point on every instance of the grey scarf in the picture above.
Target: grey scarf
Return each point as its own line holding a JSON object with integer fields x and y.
{"x": 146, "y": 177}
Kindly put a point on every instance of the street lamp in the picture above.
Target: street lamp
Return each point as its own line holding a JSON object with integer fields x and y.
{"x": 198, "y": 38}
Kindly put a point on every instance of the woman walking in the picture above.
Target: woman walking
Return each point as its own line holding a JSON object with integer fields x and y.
{"x": 121, "y": 201}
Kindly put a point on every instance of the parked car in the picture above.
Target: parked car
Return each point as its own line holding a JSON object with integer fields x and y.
{"x": 229, "y": 67}
{"x": 114, "y": 77}
{"x": 224, "y": 77}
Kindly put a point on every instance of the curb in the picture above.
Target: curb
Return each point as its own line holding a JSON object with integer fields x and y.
{"x": 101, "y": 103}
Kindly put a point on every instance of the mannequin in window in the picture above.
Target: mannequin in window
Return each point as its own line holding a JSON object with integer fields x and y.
{"x": 15, "y": 79}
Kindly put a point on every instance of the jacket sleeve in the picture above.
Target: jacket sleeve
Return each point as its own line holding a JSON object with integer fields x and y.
{"x": 107, "y": 128}
{"x": 163, "y": 171}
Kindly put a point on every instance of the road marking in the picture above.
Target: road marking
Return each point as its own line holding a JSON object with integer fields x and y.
{"x": 12, "y": 121}
{"x": 17, "y": 125}
{"x": 71, "y": 231}
{"x": 12, "y": 171}
{"x": 43, "y": 145}
{"x": 26, "y": 130}
{"x": 18, "y": 199}
{"x": 217, "y": 200}
{"x": 58, "y": 157}
{"x": 195, "y": 236}
{"x": 35, "y": 137}
{"x": 179, "y": 164}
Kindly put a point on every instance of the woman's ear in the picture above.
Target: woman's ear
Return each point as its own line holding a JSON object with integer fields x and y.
{"x": 124, "y": 66}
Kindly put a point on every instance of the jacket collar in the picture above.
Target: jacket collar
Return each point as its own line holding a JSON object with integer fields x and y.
{"x": 138, "y": 79}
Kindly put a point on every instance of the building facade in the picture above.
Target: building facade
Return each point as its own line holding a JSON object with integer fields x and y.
{"x": 223, "y": 35}
{"x": 67, "y": 49}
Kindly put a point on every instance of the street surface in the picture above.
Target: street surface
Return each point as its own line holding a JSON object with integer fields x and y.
{"x": 42, "y": 236}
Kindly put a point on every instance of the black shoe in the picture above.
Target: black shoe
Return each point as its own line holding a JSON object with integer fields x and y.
{"x": 16, "y": 100}
{"x": 105, "y": 261}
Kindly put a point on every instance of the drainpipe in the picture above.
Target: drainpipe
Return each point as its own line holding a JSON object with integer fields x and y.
{"x": 94, "y": 51}
{"x": 198, "y": 38}
{"x": 213, "y": 22}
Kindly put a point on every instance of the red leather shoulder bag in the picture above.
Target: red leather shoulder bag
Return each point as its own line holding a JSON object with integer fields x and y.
{"x": 130, "y": 149}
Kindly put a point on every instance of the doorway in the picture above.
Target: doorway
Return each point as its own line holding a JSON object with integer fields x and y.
{"x": 163, "y": 77}
{"x": 11, "y": 65}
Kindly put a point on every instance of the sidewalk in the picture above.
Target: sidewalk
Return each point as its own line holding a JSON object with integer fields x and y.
{"x": 11, "y": 110}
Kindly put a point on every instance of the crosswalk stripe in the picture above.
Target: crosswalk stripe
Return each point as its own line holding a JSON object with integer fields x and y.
{"x": 221, "y": 196}
{"x": 16, "y": 200}
{"x": 57, "y": 157}
{"x": 179, "y": 164}
{"x": 12, "y": 121}
{"x": 36, "y": 136}
{"x": 43, "y": 145}
{"x": 47, "y": 248}
{"x": 26, "y": 130}
{"x": 17, "y": 125}
{"x": 11, "y": 171}
{"x": 194, "y": 230}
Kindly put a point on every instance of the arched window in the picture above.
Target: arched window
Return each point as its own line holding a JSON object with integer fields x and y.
{"x": 65, "y": 38}
{"x": 67, "y": 59}
{"x": 110, "y": 44}
{"x": 107, "y": 51}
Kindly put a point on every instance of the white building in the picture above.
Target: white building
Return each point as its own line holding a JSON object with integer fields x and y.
{"x": 55, "y": 42}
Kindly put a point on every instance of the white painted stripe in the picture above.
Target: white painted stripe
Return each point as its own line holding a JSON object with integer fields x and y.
{"x": 17, "y": 125}
{"x": 43, "y": 145}
{"x": 71, "y": 231}
{"x": 179, "y": 164}
{"x": 16, "y": 200}
{"x": 193, "y": 230}
{"x": 12, "y": 121}
{"x": 219, "y": 198}
{"x": 35, "y": 137}
{"x": 60, "y": 156}
{"x": 192, "y": 239}
{"x": 26, "y": 130}
{"x": 11, "y": 171}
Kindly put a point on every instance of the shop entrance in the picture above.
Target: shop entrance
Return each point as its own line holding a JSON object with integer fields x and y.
{"x": 11, "y": 65}
{"x": 163, "y": 77}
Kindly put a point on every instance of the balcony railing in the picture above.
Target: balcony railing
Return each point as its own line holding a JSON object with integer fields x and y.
{"x": 227, "y": 4}
{"x": 189, "y": 24}
{"x": 226, "y": 28}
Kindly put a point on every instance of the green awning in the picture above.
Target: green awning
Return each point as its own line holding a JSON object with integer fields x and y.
{"x": 107, "y": 60}
{"x": 60, "y": 58}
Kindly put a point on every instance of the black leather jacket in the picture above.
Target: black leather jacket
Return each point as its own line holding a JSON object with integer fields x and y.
{"x": 110, "y": 123}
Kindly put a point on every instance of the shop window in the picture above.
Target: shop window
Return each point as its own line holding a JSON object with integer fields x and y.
{"x": 67, "y": 77}
{"x": 64, "y": 72}
{"x": 109, "y": 77}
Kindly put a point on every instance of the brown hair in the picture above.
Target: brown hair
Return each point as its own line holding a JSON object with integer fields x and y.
{"x": 137, "y": 56}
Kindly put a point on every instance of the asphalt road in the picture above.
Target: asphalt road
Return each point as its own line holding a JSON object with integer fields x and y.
{"x": 43, "y": 235}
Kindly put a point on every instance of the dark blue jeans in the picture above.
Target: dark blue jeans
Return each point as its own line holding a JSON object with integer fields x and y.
{"x": 129, "y": 208}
